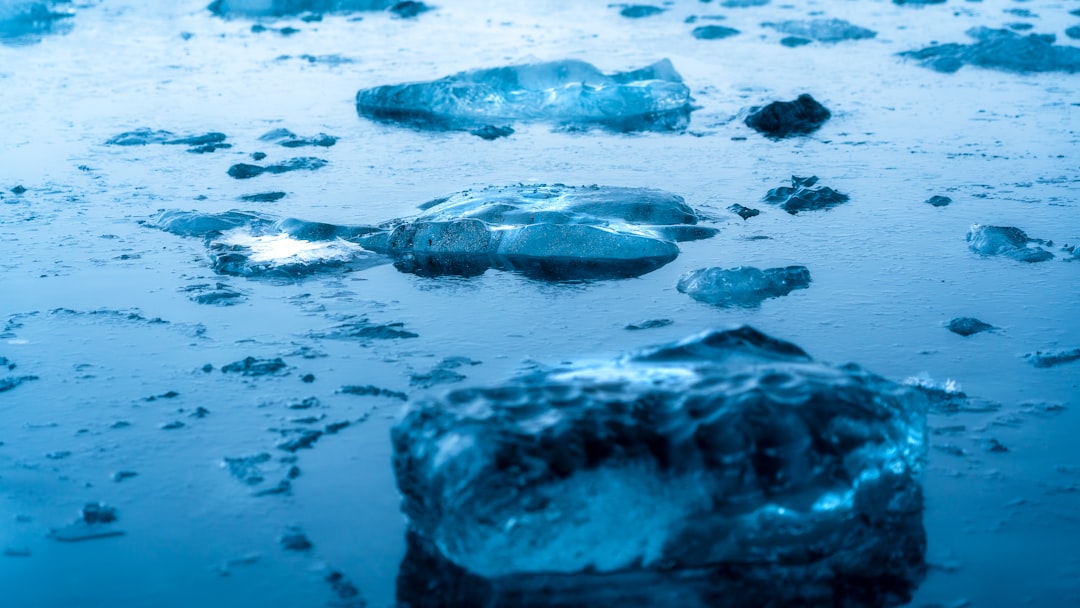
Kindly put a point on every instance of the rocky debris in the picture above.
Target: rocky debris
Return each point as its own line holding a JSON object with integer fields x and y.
{"x": 802, "y": 196}
{"x": 743, "y": 285}
{"x": 649, "y": 324}
{"x": 303, "y": 163}
{"x": 822, "y": 30}
{"x": 123, "y": 475}
{"x": 713, "y": 32}
{"x": 782, "y": 119}
{"x": 744, "y": 212}
{"x": 250, "y": 366}
{"x": 1006, "y": 241}
{"x": 374, "y": 391}
{"x": 1053, "y": 358}
{"x": 968, "y": 326}
{"x": 1001, "y": 50}
{"x": 288, "y": 139}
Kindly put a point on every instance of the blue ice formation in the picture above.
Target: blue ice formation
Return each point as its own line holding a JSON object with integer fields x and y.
{"x": 282, "y": 8}
{"x": 822, "y": 30}
{"x": 569, "y": 92}
{"x": 726, "y": 469}
{"x": 552, "y": 232}
{"x": 1001, "y": 50}
{"x": 742, "y": 286}
{"x": 255, "y": 245}
{"x": 1006, "y": 241}
{"x": 23, "y": 20}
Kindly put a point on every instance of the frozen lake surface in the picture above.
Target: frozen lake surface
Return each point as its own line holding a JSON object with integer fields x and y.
{"x": 235, "y": 426}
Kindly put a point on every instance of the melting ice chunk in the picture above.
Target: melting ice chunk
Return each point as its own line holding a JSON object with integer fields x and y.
{"x": 728, "y": 465}
{"x": 552, "y": 232}
{"x": 744, "y": 285}
{"x": 23, "y": 20}
{"x": 822, "y": 30}
{"x": 1002, "y": 50}
{"x": 652, "y": 98}
{"x": 1006, "y": 241}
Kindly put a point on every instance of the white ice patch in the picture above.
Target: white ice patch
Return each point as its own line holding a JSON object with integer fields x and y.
{"x": 282, "y": 249}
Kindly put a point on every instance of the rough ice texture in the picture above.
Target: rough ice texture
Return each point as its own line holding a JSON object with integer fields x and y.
{"x": 802, "y": 196}
{"x": 742, "y": 286}
{"x": 785, "y": 118}
{"x": 1006, "y": 241}
{"x": 728, "y": 469}
{"x": 281, "y": 8}
{"x": 1001, "y": 50}
{"x": 570, "y": 92}
{"x": 552, "y": 232}
{"x": 822, "y": 30}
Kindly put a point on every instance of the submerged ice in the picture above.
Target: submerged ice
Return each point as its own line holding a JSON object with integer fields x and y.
{"x": 569, "y": 92}
{"x": 742, "y": 286}
{"x": 727, "y": 452}
{"x": 1002, "y": 50}
{"x": 552, "y": 232}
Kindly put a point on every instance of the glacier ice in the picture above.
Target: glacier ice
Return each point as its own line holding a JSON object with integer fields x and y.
{"x": 822, "y": 30}
{"x": 569, "y": 92}
{"x": 726, "y": 469}
{"x": 282, "y": 8}
{"x": 1002, "y": 50}
{"x": 1006, "y": 241}
{"x": 802, "y": 196}
{"x": 553, "y": 232}
{"x": 742, "y": 286}
{"x": 23, "y": 20}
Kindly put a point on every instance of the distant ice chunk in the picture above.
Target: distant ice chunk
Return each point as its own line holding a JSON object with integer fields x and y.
{"x": 785, "y": 118}
{"x": 1001, "y": 50}
{"x": 23, "y": 21}
{"x": 713, "y": 32}
{"x": 744, "y": 285}
{"x": 552, "y": 232}
{"x": 282, "y": 8}
{"x": 570, "y": 92}
{"x": 1006, "y": 241}
{"x": 727, "y": 469}
{"x": 968, "y": 326}
{"x": 802, "y": 196}
{"x": 822, "y": 30}
{"x": 1053, "y": 358}
{"x": 638, "y": 11}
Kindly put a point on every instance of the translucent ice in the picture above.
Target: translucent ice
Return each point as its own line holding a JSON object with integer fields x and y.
{"x": 552, "y": 232}
{"x": 744, "y": 285}
{"x": 281, "y": 8}
{"x": 822, "y": 30}
{"x": 1006, "y": 241}
{"x": 802, "y": 196}
{"x": 652, "y": 98}
{"x": 1002, "y": 50}
{"x": 730, "y": 465}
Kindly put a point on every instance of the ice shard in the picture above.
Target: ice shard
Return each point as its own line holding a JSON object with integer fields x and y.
{"x": 569, "y": 92}
{"x": 727, "y": 469}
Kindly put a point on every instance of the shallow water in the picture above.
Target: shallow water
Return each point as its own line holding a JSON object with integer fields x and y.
{"x": 83, "y": 283}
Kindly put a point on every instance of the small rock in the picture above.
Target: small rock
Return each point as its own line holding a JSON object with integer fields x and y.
{"x": 743, "y": 212}
{"x": 938, "y": 201}
{"x": 782, "y": 119}
{"x": 968, "y": 326}
{"x": 18, "y": 189}
{"x": 801, "y": 196}
{"x": 172, "y": 426}
{"x": 122, "y": 475}
{"x": 307, "y": 378}
{"x": 491, "y": 132}
{"x": 993, "y": 445}
{"x": 408, "y": 9}
{"x": 295, "y": 540}
{"x": 250, "y": 366}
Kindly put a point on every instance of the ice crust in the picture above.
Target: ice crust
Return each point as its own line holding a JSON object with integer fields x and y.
{"x": 729, "y": 458}
{"x": 1001, "y": 50}
{"x": 568, "y": 92}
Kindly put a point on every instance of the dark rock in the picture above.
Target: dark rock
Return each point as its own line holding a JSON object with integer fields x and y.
{"x": 1054, "y": 358}
{"x": 304, "y": 163}
{"x": 743, "y": 212}
{"x": 263, "y": 197}
{"x": 294, "y": 539}
{"x": 995, "y": 446}
{"x": 939, "y": 201}
{"x": 801, "y": 196}
{"x": 491, "y": 132}
{"x": 258, "y": 155}
{"x": 968, "y": 326}
{"x": 713, "y": 32}
{"x": 785, "y": 118}
{"x": 18, "y": 189}
{"x": 742, "y": 286}
{"x": 307, "y": 378}
{"x": 373, "y": 391}
{"x": 250, "y": 366}
{"x": 408, "y": 9}
{"x": 649, "y": 324}
{"x": 637, "y": 11}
